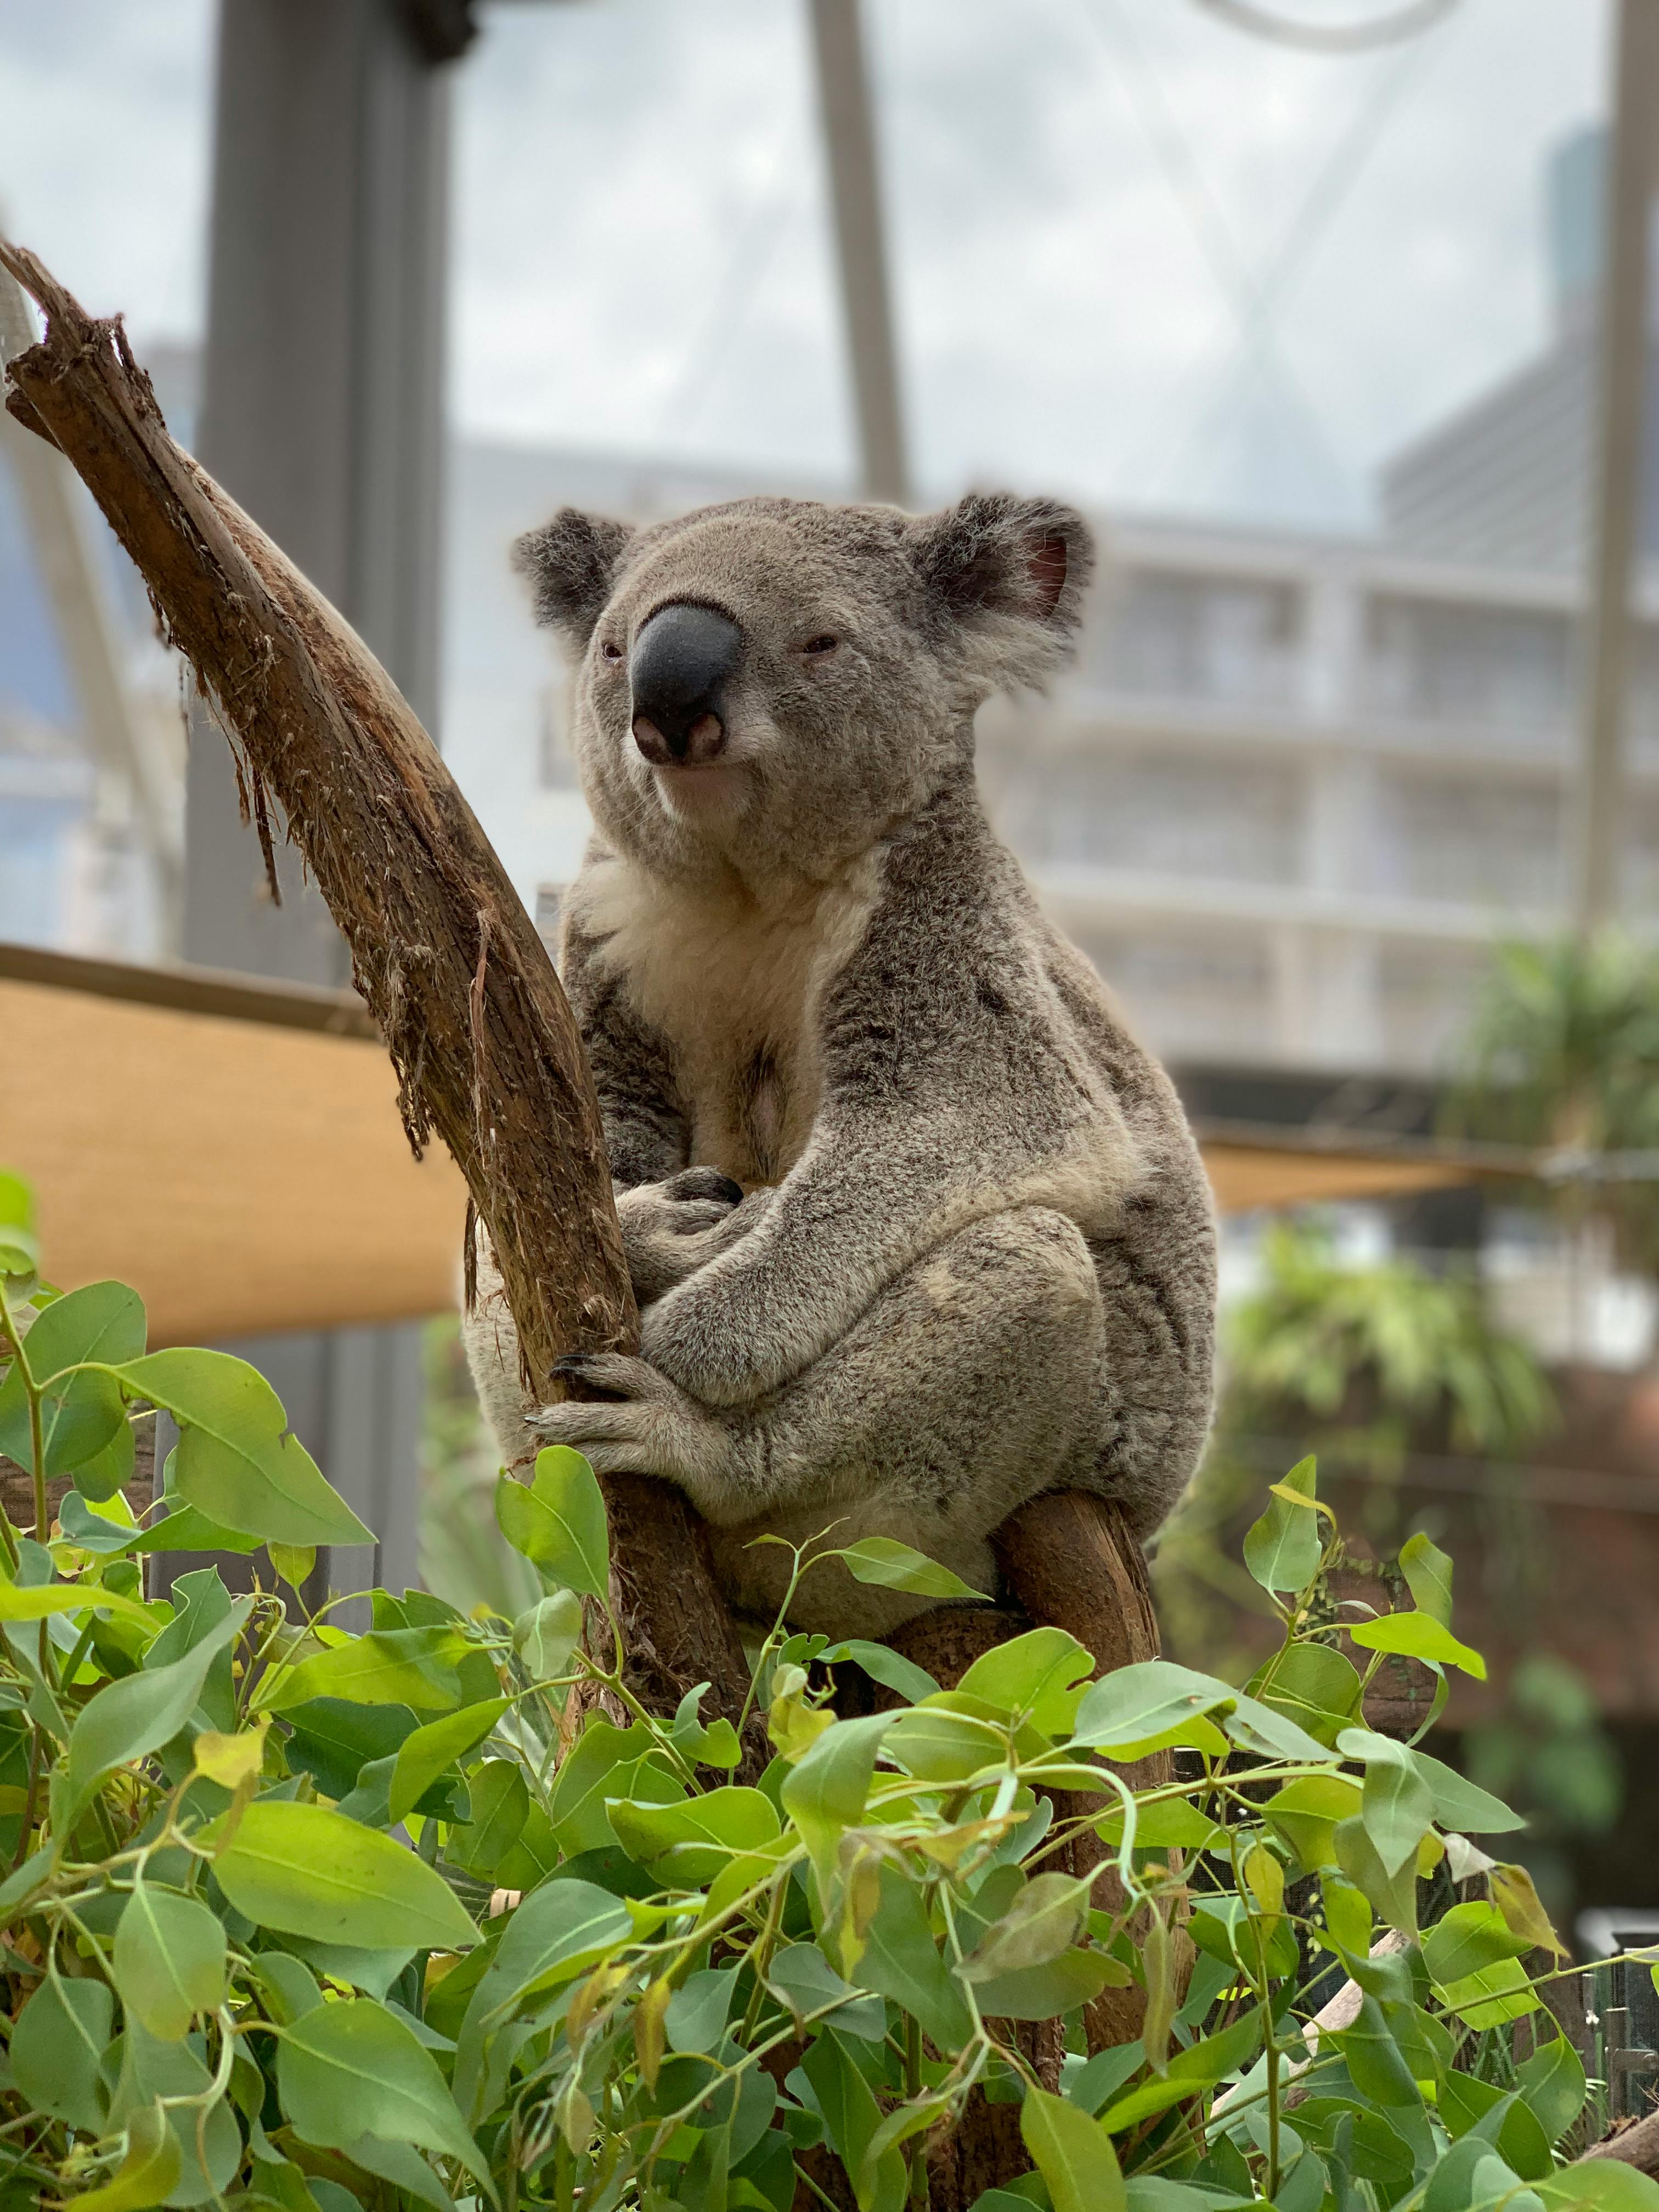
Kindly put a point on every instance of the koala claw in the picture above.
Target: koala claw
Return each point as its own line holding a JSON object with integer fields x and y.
{"x": 642, "y": 1426}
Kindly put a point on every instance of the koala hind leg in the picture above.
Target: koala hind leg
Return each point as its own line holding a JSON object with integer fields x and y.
{"x": 972, "y": 1384}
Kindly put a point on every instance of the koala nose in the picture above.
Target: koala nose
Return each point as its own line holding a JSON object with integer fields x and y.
{"x": 677, "y": 672}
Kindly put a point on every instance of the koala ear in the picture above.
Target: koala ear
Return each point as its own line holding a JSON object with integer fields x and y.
{"x": 1009, "y": 575}
{"x": 571, "y": 563}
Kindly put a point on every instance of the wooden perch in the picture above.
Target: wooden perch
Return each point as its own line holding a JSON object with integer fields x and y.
{"x": 446, "y": 957}
{"x": 453, "y": 971}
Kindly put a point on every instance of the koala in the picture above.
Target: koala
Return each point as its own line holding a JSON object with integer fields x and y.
{"x": 917, "y": 1228}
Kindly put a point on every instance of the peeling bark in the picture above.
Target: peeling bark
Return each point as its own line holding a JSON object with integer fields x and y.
{"x": 447, "y": 961}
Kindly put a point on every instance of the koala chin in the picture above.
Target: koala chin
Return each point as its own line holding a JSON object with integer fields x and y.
{"x": 917, "y": 1228}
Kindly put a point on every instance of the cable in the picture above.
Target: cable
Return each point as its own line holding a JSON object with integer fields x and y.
{"x": 1259, "y": 22}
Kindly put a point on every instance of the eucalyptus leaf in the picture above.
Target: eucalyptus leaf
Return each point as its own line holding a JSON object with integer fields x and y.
{"x": 309, "y": 1871}
{"x": 558, "y": 1521}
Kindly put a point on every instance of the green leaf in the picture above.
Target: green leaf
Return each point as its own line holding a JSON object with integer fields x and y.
{"x": 1144, "y": 1707}
{"x": 38, "y": 1601}
{"x": 902, "y": 1961}
{"x": 1374, "y": 2059}
{"x": 1305, "y": 1812}
{"x": 1393, "y": 1896}
{"x": 804, "y": 1982}
{"x": 1397, "y": 1808}
{"x": 1199, "y": 2066}
{"x": 1428, "y": 1573}
{"x": 1466, "y": 1939}
{"x": 1073, "y": 2154}
{"x": 305, "y": 1870}
{"x": 238, "y": 1461}
{"x": 698, "y": 2010}
{"x": 1516, "y": 2136}
{"x": 607, "y": 1762}
{"x": 1037, "y": 1677}
{"x": 168, "y": 1961}
{"x": 354, "y": 2069}
{"x": 558, "y": 1932}
{"x": 293, "y": 1562}
{"x": 824, "y": 1792}
{"x": 1418, "y": 1635}
{"x": 20, "y": 1248}
{"x": 129, "y": 1719}
{"x": 1490, "y": 1995}
{"x": 1284, "y": 1548}
{"x": 387, "y": 1667}
{"x": 690, "y": 1843}
{"x": 62, "y": 2034}
{"x": 1312, "y": 1685}
{"x": 150, "y": 2173}
{"x": 82, "y": 1416}
{"x": 558, "y": 1521}
{"x": 1552, "y": 2086}
{"x": 431, "y": 1751}
{"x": 1059, "y": 1985}
{"x": 1041, "y": 1923}
{"x": 546, "y": 1635}
{"x": 1600, "y": 2184}
{"x": 851, "y": 2116}
{"x": 1459, "y": 1804}
{"x": 885, "y": 1562}
{"x": 1257, "y": 1727}
{"x": 90, "y": 1529}
{"x": 912, "y": 1682}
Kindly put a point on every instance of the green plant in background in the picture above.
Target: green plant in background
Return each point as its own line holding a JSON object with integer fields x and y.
{"x": 230, "y": 1979}
{"x": 1563, "y": 1055}
{"x": 1362, "y": 1362}
{"x": 1545, "y": 1747}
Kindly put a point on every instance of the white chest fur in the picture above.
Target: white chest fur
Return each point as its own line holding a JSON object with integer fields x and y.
{"x": 735, "y": 987}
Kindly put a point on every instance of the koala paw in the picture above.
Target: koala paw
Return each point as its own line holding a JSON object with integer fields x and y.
{"x": 643, "y": 1424}
{"x": 665, "y": 1226}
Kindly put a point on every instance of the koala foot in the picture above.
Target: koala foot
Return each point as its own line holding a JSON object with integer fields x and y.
{"x": 643, "y": 1424}
{"x": 666, "y": 1227}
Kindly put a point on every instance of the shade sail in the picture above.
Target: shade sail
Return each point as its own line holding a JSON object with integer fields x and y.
{"x": 232, "y": 1148}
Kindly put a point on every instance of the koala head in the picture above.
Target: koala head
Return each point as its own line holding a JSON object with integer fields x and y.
{"x": 774, "y": 684}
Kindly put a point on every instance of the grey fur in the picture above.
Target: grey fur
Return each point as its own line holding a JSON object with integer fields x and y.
{"x": 976, "y": 1257}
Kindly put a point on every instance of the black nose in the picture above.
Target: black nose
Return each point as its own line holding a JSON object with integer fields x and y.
{"x": 677, "y": 672}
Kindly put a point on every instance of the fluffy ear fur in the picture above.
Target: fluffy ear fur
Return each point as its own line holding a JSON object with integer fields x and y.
{"x": 572, "y": 564}
{"x": 1008, "y": 575}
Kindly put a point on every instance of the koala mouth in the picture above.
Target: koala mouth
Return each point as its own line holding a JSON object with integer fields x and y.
{"x": 693, "y": 790}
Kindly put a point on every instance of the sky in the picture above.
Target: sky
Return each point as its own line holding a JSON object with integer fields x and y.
{"x": 1138, "y": 257}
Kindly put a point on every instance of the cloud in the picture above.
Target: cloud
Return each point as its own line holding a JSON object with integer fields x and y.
{"x": 641, "y": 258}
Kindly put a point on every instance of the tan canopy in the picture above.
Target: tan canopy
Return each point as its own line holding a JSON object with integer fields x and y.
{"x": 232, "y": 1148}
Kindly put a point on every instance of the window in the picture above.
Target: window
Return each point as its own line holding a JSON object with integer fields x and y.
{"x": 1227, "y": 638}
{"x": 1429, "y": 661}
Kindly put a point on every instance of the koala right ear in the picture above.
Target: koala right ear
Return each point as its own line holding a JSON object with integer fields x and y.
{"x": 571, "y": 563}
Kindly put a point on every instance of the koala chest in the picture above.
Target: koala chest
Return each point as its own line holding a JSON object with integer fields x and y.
{"x": 735, "y": 989}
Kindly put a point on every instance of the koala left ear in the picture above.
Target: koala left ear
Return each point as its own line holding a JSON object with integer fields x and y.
{"x": 571, "y": 563}
{"x": 1010, "y": 572}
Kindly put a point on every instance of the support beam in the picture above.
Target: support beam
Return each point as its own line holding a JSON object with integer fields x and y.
{"x": 322, "y": 414}
{"x": 125, "y": 742}
{"x": 849, "y": 141}
{"x": 1621, "y": 408}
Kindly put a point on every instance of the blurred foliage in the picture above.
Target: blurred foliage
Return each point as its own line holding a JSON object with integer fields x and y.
{"x": 1367, "y": 1363}
{"x": 1563, "y": 1054}
{"x": 464, "y": 1558}
{"x": 1545, "y": 1750}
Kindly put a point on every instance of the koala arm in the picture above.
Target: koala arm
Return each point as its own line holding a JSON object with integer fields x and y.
{"x": 646, "y": 1132}
{"x": 783, "y": 1282}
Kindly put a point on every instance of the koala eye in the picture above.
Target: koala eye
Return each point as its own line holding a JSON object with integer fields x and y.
{"x": 816, "y": 647}
{"x": 610, "y": 651}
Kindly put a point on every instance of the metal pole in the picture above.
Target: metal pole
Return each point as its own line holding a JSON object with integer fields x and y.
{"x": 1617, "y": 501}
{"x": 855, "y": 193}
{"x": 125, "y": 742}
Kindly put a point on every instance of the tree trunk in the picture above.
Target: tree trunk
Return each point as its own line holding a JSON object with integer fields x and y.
{"x": 445, "y": 959}
{"x": 486, "y": 1051}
